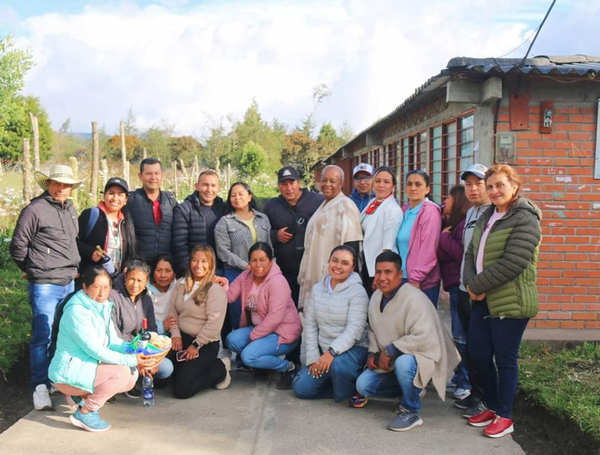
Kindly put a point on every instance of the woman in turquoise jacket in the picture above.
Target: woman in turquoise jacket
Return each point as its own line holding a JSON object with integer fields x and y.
{"x": 90, "y": 364}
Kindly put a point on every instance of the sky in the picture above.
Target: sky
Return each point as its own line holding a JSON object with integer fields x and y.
{"x": 192, "y": 64}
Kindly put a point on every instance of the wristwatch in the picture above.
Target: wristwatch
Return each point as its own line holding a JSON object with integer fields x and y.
{"x": 332, "y": 352}
{"x": 196, "y": 344}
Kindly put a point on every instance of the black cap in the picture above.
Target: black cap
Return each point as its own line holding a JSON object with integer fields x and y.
{"x": 287, "y": 173}
{"x": 116, "y": 181}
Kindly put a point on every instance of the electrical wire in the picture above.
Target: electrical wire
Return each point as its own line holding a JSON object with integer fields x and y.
{"x": 537, "y": 33}
{"x": 520, "y": 45}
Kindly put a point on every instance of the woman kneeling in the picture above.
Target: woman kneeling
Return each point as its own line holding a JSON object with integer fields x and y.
{"x": 270, "y": 326}
{"x": 336, "y": 332}
{"x": 90, "y": 365}
{"x": 197, "y": 309}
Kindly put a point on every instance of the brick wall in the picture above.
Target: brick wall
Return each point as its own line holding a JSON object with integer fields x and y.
{"x": 558, "y": 174}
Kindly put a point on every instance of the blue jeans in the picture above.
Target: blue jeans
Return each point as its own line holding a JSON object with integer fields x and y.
{"x": 339, "y": 383}
{"x": 461, "y": 374}
{"x": 234, "y": 308}
{"x": 262, "y": 353}
{"x": 43, "y": 298}
{"x": 165, "y": 369}
{"x": 390, "y": 385}
{"x": 496, "y": 339}
{"x": 431, "y": 293}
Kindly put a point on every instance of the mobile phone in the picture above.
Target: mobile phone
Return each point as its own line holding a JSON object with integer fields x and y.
{"x": 180, "y": 356}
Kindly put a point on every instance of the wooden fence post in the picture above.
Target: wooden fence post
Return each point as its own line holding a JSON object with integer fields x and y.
{"x": 95, "y": 163}
{"x": 124, "y": 152}
{"x": 103, "y": 173}
{"x": 144, "y": 153}
{"x": 27, "y": 174}
{"x": 74, "y": 194}
{"x": 36, "y": 147}
{"x": 174, "y": 173}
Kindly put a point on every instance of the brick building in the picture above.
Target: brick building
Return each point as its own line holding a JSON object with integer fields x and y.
{"x": 542, "y": 118}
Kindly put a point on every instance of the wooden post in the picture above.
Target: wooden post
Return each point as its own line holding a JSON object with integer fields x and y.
{"x": 74, "y": 194}
{"x": 228, "y": 176}
{"x": 144, "y": 153}
{"x": 95, "y": 163}
{"x": 36, "y": 148}
{"x": 27, "y": 174}
{"x": 195, "y": 172}
{"x": 124, "y": 152}
{"x": 175, "y": 185}
{"x": 103, "y": 173}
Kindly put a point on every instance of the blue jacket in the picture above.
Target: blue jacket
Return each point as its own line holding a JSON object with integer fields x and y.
{"x": 361, "y": 201}
{"x": 86, "y": 336}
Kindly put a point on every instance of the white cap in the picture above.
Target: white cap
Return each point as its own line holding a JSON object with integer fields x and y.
{"x": 477, "y": 170}
{"x": 363, "y": 167}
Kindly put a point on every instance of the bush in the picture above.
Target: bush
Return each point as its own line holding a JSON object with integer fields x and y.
{"x": 15, "y": 312}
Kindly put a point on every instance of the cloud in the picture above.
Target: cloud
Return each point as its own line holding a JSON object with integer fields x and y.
{"x": 184, "y": 63}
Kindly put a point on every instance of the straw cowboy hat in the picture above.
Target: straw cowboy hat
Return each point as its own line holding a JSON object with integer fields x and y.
{"x": 58, "y": 173}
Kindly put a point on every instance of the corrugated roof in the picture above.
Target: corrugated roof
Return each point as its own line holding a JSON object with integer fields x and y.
{"x": 580, "y": 65}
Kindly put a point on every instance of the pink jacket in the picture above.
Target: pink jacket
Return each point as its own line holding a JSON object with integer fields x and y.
{"x": 422, "y": 262}
{"x": 275, "y": 305}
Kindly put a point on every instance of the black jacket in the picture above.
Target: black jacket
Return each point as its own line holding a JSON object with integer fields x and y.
{"x": 126, "y": 315}
{"x": 152, "y": 240}
{"x": 281, "y": 215}
{"x": 189, "y": 229}
{"x": 98, "y": 236}
{"x": 44, "y": 243}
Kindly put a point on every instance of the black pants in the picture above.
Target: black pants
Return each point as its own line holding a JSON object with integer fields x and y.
{"x": 464, "y": 314}
{"x": 205, "y": 371}
{"x": 292, "y": 279}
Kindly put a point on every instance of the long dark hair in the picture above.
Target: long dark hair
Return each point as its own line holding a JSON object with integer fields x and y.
{"x": 460, "y": 206}
{"x": 347, "y": 249}
{"x": 228, "y": 206}
{"x": 261, "y": 246}
{"x": 129, "y": 240}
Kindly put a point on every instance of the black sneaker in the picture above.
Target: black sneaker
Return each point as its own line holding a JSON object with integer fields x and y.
{"x": 287, "y": 378}
{"x": 467, "y": 402}
{"x": 134, "y": 393}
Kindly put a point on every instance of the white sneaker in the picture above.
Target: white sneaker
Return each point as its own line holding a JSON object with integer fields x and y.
{"x": 41, "y": 398}
{"x": 461, "y": 394}
{"x": 227, "y": 381}
{"x": 450, "y": 387}
{"x": 54, "y": 390}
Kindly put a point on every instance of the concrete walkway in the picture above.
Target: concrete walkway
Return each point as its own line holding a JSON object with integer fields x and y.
{"x": 251, "y": 417}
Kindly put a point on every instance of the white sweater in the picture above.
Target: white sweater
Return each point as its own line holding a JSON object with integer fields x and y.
{"x": 337, "y": 320}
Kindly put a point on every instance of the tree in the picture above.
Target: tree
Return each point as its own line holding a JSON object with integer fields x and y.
{"x": 184, "y": 147}
{"x": 14, "y": 64}
{"x": 252, "y": 160}
{"x": 346, "y": 133}
{"x": 156, "y": 140}
{"x": 131, "y": 128}
{"x": 133, "y": 144}
{"x": 18, "y": 126}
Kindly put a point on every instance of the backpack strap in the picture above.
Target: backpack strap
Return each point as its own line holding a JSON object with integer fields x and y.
{"x": 93, "y": 219}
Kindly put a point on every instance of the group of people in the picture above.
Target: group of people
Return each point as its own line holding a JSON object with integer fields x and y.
{"x": 336, "y": 293}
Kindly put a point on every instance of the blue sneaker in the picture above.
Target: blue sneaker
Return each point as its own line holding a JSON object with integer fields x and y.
{"x": 89, "y": 422}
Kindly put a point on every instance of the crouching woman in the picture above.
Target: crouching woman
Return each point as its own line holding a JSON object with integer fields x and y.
{"x": 90, "y": 364}
{"x": 335, "y": 332}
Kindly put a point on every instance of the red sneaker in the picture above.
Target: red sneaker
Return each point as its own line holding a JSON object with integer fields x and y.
{"x": 499, "y": 427}
{"x": 483, "y": 419}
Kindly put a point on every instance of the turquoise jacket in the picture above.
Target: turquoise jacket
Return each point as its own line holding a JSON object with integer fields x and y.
{"x": 86, "y": 336}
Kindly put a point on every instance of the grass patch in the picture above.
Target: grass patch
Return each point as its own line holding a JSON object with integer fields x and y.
{"x": 566, "y": 381}
{"x": 15, "y": 312}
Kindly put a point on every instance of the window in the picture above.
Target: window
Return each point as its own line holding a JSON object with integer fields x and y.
{"x": 436, "y": 163}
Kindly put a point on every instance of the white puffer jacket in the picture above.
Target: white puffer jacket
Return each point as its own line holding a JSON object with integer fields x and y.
{"x": 337, "y": 320}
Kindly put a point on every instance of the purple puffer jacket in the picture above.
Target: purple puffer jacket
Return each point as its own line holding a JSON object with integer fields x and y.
{"x": 450, "y": 254}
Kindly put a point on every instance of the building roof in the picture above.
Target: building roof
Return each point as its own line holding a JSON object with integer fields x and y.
{"x": 575, "y": 65}
{"x": 561, "y": 65}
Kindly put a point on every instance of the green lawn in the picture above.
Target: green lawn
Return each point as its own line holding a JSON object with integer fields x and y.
{"x": 564, "y": 381}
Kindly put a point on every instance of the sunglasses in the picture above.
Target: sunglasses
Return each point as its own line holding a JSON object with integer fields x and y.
{"x": 362, "y": 179}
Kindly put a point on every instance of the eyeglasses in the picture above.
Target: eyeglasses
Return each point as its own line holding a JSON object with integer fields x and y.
{"x": 363, "y": 179}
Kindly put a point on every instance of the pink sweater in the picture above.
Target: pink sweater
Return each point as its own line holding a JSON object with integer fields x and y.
{"x": 275, "y": 305}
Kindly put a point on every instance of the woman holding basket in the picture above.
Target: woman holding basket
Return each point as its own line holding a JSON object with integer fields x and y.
{"x": 90, "y": 364}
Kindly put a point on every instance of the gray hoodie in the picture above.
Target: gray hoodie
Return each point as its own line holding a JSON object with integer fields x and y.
{"x": 470, "y": 220}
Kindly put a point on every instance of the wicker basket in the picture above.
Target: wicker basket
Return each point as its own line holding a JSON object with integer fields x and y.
{"x": 158, "y": 357}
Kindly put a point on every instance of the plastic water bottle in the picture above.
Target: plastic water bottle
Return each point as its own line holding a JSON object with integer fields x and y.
{"x": 148, "y": 391}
